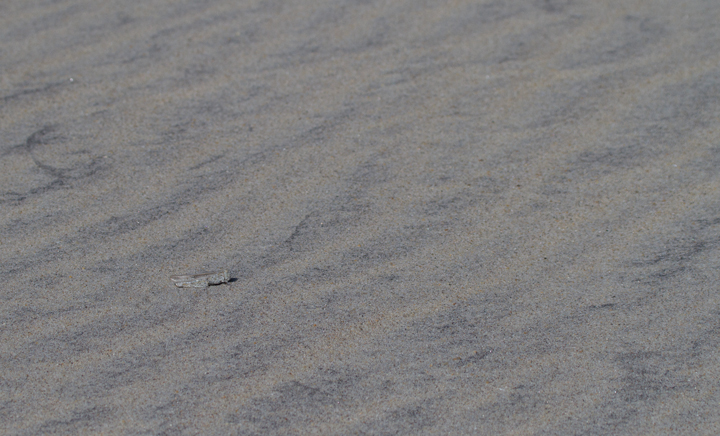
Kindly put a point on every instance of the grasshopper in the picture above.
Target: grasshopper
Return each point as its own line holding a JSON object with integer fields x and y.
{"x": 202, "y": 280}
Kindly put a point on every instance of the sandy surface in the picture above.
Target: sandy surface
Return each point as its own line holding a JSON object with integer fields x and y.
{"x": 467, "y": 217}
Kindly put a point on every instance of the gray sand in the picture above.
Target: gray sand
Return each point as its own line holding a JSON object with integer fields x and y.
{"x": 469, "y": 217}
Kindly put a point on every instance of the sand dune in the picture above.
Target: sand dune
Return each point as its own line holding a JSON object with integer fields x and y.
{"x": 468, "y": 217}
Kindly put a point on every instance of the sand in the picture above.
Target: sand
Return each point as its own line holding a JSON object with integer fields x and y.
{"x": 467, "y": 217}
